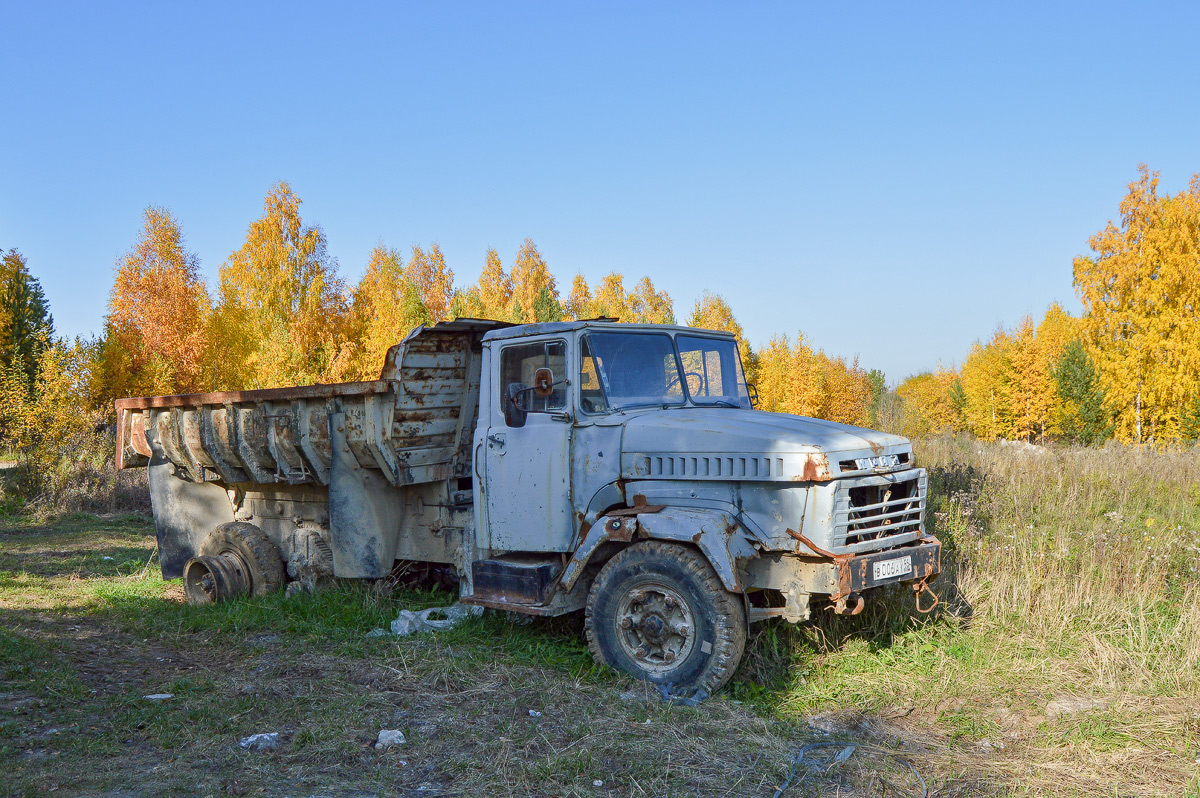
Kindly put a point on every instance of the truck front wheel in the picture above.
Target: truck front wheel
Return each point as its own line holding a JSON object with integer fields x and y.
{"x": 659, "y": 612}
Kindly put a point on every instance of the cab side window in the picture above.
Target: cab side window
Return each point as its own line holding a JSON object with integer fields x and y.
{"x": 520, "y": 362}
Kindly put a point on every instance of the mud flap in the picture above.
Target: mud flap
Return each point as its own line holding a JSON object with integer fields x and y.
{"x": 364, "y": 512}
{"x": 184, "y": 514}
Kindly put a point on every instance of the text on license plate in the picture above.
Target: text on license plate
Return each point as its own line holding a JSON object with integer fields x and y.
{"x": 886, "y": 569}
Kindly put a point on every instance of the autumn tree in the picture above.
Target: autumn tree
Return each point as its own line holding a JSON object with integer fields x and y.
{"x": 530, "y": 277}
{"x": 579, "y": 302}
{"x": 282, "y": 310}
{"x": 26, "y": 326}
{"x": 1140, "y": 289}
{"x": 158, "y": 309}
{"x": 435, "y": 282}
{"x": 987, "y": 411}
{"x": 712, "y": 312}
{"x": 466, "y": 304}
{"x": 928, "y": 407}
{"x": 788, "y": 377}
{"x": 1030, "y": 389}
{"x": 495, "y": 292}
{"x": 650, "y": 306}
{"x": 386, "y": 305}
{"x": 609, "y": 298}
{"x": 846, "y": 391}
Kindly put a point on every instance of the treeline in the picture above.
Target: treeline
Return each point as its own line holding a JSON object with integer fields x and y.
{"x": 282, "y": 314}
{"x": 1128, "y": 368}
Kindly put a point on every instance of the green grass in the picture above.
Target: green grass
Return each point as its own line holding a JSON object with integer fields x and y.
{"x": 1059, "y": 586}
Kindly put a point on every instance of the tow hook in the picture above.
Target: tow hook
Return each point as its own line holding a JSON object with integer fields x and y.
{"x": 851, "y": 604}
{"x": 923, "y": 587}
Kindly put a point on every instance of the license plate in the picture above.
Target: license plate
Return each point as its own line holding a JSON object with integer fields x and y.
{"x": 889, "y": 569}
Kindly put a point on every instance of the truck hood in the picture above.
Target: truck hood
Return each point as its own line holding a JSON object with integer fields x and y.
{"x": 780, "y": 445}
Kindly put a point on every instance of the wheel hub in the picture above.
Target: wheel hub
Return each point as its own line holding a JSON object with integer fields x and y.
{"x": 211, "y": 578}
{"x": 655, "y": 627}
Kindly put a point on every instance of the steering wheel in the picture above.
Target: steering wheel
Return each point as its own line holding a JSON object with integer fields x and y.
{"x": 687, "y": 375}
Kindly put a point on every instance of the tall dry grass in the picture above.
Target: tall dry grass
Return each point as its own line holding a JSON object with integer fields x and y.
{"x": 1085, "y": 558}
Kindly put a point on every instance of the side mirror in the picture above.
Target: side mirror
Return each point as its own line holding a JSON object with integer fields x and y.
{"x": 543, "y": 382}
{"x": 514, "y": 413}
{"x": 750, "y": 389}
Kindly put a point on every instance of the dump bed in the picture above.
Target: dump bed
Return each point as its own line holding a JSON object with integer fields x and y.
{"x": 413, "y": 424}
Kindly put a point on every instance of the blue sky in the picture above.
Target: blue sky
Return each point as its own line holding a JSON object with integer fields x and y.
{"x": 894, "y": 180}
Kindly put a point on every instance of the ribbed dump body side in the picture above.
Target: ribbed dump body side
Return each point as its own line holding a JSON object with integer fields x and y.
{"x": 414, "y": 424}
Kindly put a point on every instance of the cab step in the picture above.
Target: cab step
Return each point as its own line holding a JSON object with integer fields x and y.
{"x": 514, "y": 579}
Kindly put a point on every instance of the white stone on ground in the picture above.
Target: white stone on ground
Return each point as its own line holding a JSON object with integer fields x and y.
{"x": 389, "y": 737}
{"x": 264, "y": 741}
{"x": 1067, "y": 705}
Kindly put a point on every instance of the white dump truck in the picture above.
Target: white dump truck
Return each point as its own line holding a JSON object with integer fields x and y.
{"x": 617, "y": 469}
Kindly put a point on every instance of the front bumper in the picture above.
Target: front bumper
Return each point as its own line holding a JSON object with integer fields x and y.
{"x": 839, "y": 576}
{"x": 856, "y": 573}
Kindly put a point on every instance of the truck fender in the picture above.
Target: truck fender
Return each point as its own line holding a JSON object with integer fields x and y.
{"x": 717, "y": 534}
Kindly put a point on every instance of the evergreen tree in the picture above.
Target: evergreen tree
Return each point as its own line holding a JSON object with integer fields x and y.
{"x": 1082, "y": 416}
{"x": 26, "y": 326}
{"x": 877, "y": 383}
{"x": 546, "y": 306}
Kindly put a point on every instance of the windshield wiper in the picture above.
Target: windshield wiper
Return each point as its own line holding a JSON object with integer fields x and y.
{"x": 719, "y": 403}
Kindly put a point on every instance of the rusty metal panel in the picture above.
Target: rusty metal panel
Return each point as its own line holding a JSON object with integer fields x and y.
{"x": 319, "y": 391}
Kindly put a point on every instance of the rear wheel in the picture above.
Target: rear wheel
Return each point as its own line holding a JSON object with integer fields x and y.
{"x": 235, "y": 559}
{"x": 658, "y": 611}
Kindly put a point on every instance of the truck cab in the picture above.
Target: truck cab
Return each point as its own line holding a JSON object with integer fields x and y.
{"x": 594, "y": 439}
{"x": 621, "y": 470}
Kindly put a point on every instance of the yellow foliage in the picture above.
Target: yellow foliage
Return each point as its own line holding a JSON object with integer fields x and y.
{"x": 282, "y": 310}
{"x": 579, "y": 303}
{"x": 987, "y": 409}
{"x": 644, "y": 305}
{"x": 157, "y": 311}
{"x": 428, "y": 272}
{"x": 795, "y": 379}
{"x": 649, "y": 306}
{"x": 712, "y": 312}
{"x": 385, "y": 307}
{"x": 530, "y": 275}
{"x": 495, "y": 289}
{"x": 610, "y": 298}
{"x": 1031, "y": 387}
{"x": 1140, "y": 291}
{"x": 55, "y": 425}
{"x": 928, "y": 406}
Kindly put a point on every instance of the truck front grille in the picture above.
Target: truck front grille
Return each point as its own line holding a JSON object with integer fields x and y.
{"x": 871, "y": 512}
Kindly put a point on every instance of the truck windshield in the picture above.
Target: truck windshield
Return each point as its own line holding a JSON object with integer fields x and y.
{"x": 620, "y": 370}
{"x": 713, "y": 371}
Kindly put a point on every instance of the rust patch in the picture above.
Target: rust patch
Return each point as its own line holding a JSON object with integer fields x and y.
{"x": 620, "y": 529}
{"x": 319, "y": 391}
{"x": 648, "y": 509}
{"x": 814, "y": 547}
{"x": 816, "y": 468}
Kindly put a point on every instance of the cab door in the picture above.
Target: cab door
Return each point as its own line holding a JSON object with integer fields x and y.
{"x": 527, "y": 454}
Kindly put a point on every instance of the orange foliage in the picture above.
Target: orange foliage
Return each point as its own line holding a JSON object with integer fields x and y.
{"x": 428, "y": 272}
{"x": 157, "y": 310}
